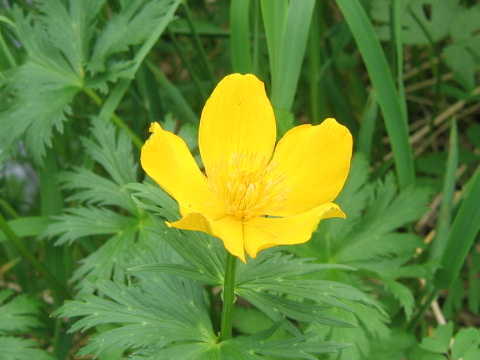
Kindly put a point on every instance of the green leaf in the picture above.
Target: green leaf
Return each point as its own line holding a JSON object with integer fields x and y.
{"x": 440, "y": 343}
{"x": 112, "y": 150}
{"x": 286, "y": 29}
{"x": 240, "y": 36}
{"x": 131, "y": 26}
{"x": 156, "y": 311}
{"x": 462, "y": 234}
{"x": 466, "y": 341}
{"x": 15, "y": 348}
{"x": 422, "y": 19}
{"x": 86, "y": 221}
{"x": 463, "y": 54}
{"x": 370, "y": 241}
{"x": 402, "y": 293}
{"x": 445, "y": 216}
{"x": 39, "y": 92}
{"x": 27, "y": 226}
{"x": 19, "y": 315}
{"x": 395, "y": 347}
{"x": 384, "y": 86}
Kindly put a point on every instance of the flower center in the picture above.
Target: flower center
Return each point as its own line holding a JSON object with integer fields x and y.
{"x": 248, "y": 185}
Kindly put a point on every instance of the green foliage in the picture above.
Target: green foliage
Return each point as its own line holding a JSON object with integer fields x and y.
{"x": 68, "y": 50}
{"x": 269, "y": 282}
{"x": 429, "y": 22}
{"x": 370, "y": 241}
{"x": 103, "y": 205}
{"x": 423, "y": 21}
{"x": 164, "y": 315}
{"x": 443, "y": 345}
{"x": 361, "y": 288}
{"x": 394, "y": 116}
{"x": 19, "y": 315}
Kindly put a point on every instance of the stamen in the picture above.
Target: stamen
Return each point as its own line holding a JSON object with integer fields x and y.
{"x": 248, "y": 185}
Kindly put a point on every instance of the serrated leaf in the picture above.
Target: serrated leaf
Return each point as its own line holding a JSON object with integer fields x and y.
{"x": 369, "y": 241}
{"x": 129, "y": 27}
{"x": 466, "y": 340}
{"x": 15, "y": 348}
{"x": 419, "y": 17}
{"x": 40, "y": 90}
{"x": 81, "y": 222}
{"x": 402, "y": 294}
{"x": 440, "y": 343}
{"x": 464, "y": 53}
{"x": 112, "y": 149}
{"x": 158, "y": 310}
{"x": 92, "y": 189}
{"x": 18, "y": 314}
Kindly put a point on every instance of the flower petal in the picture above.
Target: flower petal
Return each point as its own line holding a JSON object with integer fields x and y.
{"x": 237, "y": 119}
{"x": 264, "y": 232}
{"x": 166, "y": 159}
{"x": 229, "y": 229}
{"x": 315, "y": 161}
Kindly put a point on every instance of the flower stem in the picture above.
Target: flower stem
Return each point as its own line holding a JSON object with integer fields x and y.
{"x": 228, "y": 298}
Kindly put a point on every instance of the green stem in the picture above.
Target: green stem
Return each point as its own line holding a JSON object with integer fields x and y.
{"x": 23, "y": 250}
{"x": 9, "y": 209}
{"x": 412, "y": 325}
{"x": 228, "y": 298}
{"x": 115, "y": 118}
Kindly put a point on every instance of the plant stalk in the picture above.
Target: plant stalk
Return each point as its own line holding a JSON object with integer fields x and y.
{"x": 228, "y": 298}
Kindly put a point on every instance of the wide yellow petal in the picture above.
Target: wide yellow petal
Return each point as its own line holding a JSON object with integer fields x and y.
{"x": 315, "y": 161}
{"x": 229, "y": 229}
{"x": 264, "y": 232}
{"x": 237, "y": 119}
{"x": 166, "y": 159}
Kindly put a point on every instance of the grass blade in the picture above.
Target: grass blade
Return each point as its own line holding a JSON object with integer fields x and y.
{"x": 240, "y": 36}
{"x": 384, "y": 86}
{"x": 367, "y": 128}
{"x": 444, "y": 219}
{"x": 294, "y": 45}
{"x": 464, "y": 229}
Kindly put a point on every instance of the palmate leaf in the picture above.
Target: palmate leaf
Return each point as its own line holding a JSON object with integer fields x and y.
{"x": 269, "y": 282}
{"x": 16, "y": 348}
{"x": 19, "y": 315}
{"x": 62, "y": 39}
{"x": 421, "y": 19}
{"x": 254, "y": 347}
{"x": 464, "y": 53}
{"x": 112, "y": 150}
{"x": 155, "y": 310}
{"x": 131, "y": 26}
{"x": 370, "y": 242}
{"x": 42, "y": 89}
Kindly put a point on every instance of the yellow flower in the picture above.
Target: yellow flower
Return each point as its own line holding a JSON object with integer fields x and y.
{"x": 251, "y": 197}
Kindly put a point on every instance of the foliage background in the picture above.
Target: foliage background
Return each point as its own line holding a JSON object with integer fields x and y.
{"x": 80, "y": 82}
